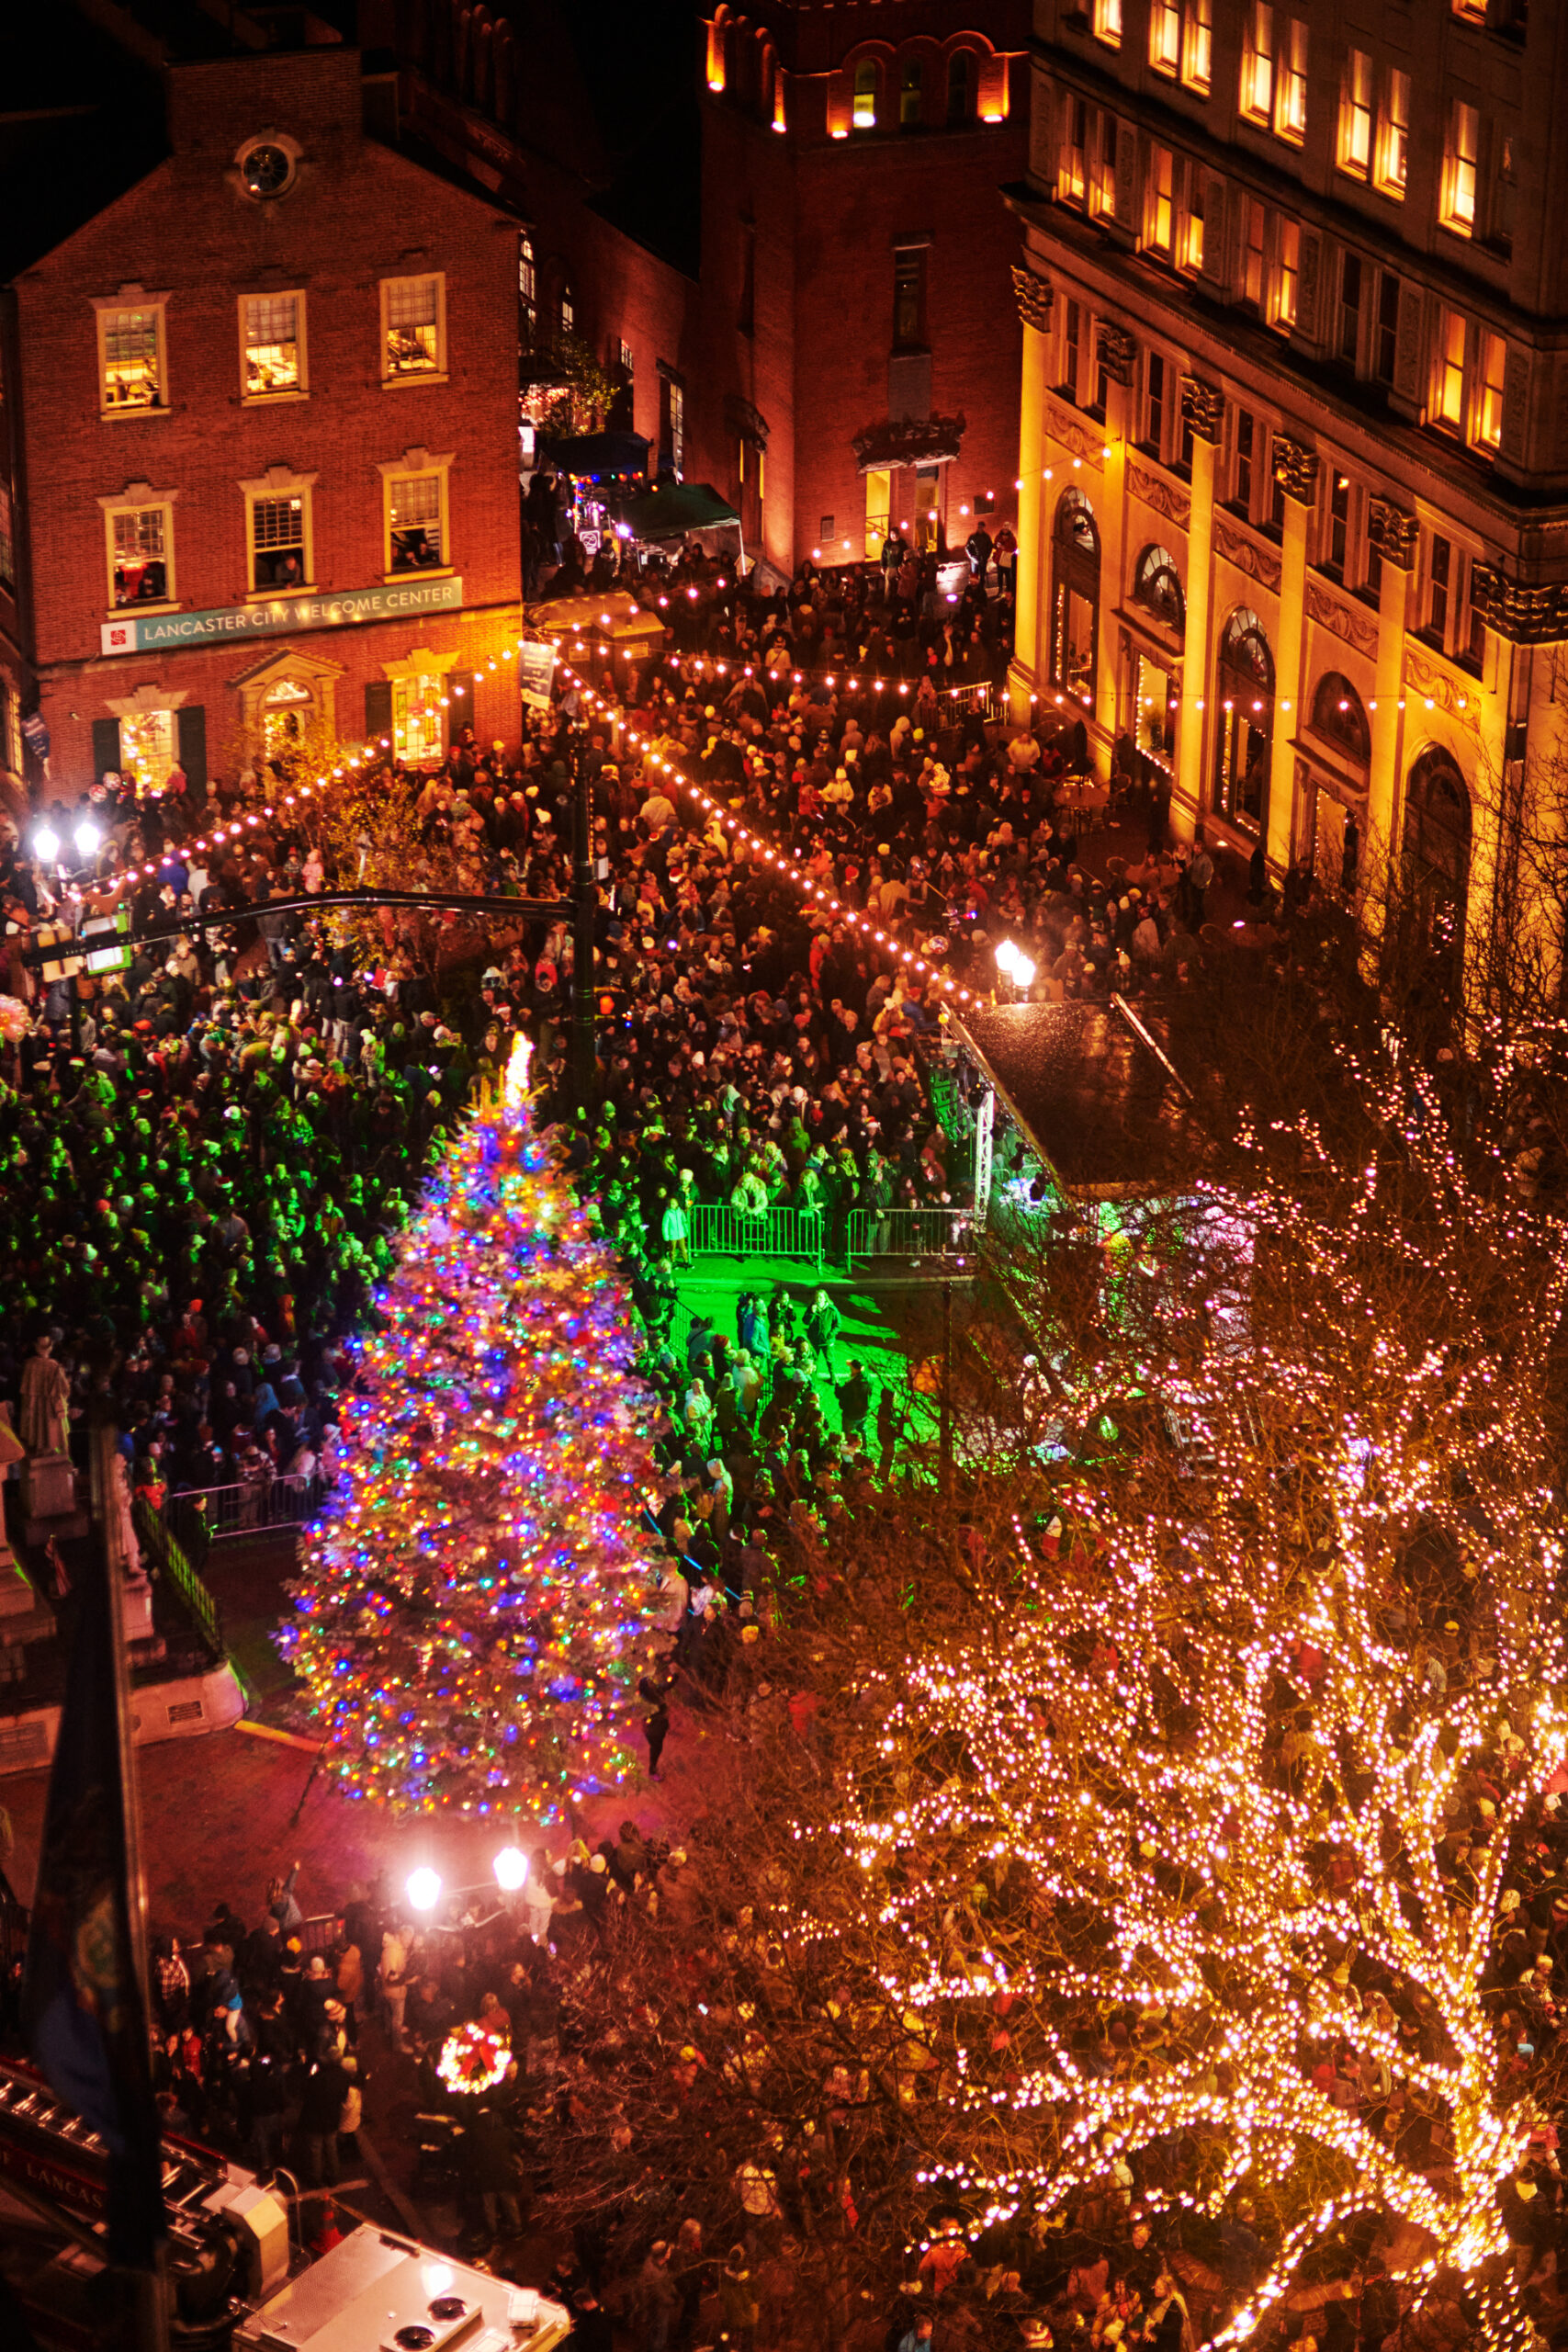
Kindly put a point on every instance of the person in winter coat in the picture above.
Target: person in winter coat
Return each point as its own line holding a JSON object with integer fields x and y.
{"x": 658, "y": 2297}
{"x": 492, "y": 2167}
{"x": 737, "y": 2301}
{"x": 320, "y": 2111}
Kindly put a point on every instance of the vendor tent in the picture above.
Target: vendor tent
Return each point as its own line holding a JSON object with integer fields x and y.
{"x": 615, "y": 618}
{"x": 674, "y": 510}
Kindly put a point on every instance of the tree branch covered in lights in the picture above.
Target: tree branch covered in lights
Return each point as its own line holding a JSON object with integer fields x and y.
{"x": 471, "y": 1618}
{"x": 1166, "y": 1802}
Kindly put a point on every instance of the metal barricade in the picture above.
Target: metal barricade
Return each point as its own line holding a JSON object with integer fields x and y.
{"x": 911, "y": 1233}
{"x": 720, "y": 1231}
{"x": 169, "y": 1556}
{"x": 206, "y": 1515}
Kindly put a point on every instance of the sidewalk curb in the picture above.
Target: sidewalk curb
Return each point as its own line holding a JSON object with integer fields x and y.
{"x": 284, "y": 1738}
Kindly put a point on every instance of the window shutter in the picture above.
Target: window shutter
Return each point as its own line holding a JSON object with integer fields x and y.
{"x": 459, "y": 706}
{"x": 191, "y": 726}
{"x": 106, "y": 747}
{"x": 378, "y": 707}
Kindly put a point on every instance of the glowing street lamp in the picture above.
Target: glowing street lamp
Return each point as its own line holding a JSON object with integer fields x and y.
{"x": 46, "y": 843}
{"x": 87, "y": 838}
{"x": 1015, "y": 966}
{"x": 511, "y": 1868}
{"x": 424, "y": 1889}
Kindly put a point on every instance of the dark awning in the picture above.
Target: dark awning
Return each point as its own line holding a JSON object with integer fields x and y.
{"x": 1094, "y": 1090}
{"x": 676, "y": 508}
{"x": 597, "y": 456}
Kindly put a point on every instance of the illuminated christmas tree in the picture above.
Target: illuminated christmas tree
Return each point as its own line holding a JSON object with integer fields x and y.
{"x": 471, "y": 1620}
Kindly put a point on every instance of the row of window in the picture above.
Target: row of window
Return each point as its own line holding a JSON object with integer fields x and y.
{"x": 274, "y": 349}
{"x": 915, "y": 92}
{"x": 1374, "y": 131}
{"x": 279, "y": 539}
{"x": 1465, "y": 359}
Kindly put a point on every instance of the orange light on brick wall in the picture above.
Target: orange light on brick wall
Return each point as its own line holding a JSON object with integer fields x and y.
{"x": 716, "y": 53}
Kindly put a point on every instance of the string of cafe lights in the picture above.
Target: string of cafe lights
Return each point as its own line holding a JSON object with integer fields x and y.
{"x": 787, "y": 867}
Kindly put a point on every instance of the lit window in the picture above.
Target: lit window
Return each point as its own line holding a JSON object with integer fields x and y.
{"x": 278, "y": 541}
{"x": 1287, "y": 265}
{"x": 628, "y": 369}
{"x": 141, "y": 550}
{"x": 1072, "y": 179}
{"x": 272, "y": 344}
{"x": 1191, "y": 256}
{"x": 1102, "y": 186}
{"x": 416, "y": 717}
{"x": 416, "y": 522}
{"x": 1459, "y": 169}
{"x": 1338, "y": 523}
{"x": 131, "y": 374}
{"x": 1472, "y": 11}
{"x": 1449, "y": 392}
{"x": 1356, "y": 115}
{"x": 1244, "y": 443}
{"x": 865, "y": 115}
{"x": 527, "y": 277}
{"x": 413, "y": 326}
{"x": 1161, "y": 200}
{"x": 1198, "y": 45}
{"x": 1393, "y": 135}
{"x": 878, "y": 509}
{"x": 1108, "y": 22}
{"x": 147, "y": 747}
{"x": 568, "y": 311}
{"x": 1164, "y": 36}
{"x": 1291, "y": 92}
{"x": 1252, "y": 277}
{"x": 1489, "y": 407}
{"x": 1257, "y": 64}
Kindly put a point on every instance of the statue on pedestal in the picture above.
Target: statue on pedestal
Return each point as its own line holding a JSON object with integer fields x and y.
{"x": 46, "y": 1401}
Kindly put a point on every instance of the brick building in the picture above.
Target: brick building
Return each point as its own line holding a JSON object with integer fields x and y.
{"x": 1294, "y": 433}
{"x": 584, "y": 122}
{"x": 858, "y": 348}
{"x": 267, "y": 405}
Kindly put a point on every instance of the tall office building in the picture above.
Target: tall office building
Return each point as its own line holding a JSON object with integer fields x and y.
{"x": 1294, "y": 430}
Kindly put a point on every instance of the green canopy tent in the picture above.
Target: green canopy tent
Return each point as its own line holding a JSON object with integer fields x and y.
{"x": 678, "y": 510}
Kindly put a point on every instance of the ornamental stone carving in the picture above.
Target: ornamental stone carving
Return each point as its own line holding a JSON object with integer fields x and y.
{"x": 1524, "y": 616}
{"x": 1433, "y": 685}
{"x": 1035, "y": 296}
{"x": 1204, "y": 408}
{"x": 1351, "y": 622}
{"x": 1163, "y": 496}
{"x": 1259, "y": 563}
{"x": 1295, "y": 468}
{"x": 1118, "y": 353}
{"x": 1392, "y": 531}
{"x": 1066, "y": 428}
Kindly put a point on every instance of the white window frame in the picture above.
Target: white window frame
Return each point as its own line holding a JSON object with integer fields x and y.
{"x": 149, "y": 502}
{"x": 1486, "y": 422}
{"x": 1391, "y": 174}
{"x": 1291, "y": 83}
{"x": 1164, "y": 37}
{"x": 279, "y": 483}
{"x": 417, "y": 465}
{"x": 1256, "y": 93}
{"x": 1108, "y": 22}
{"x": 115, "y": 306}
{"x": 1354, "y": 145}
{"x": 1450, "y": 376}
{"x": 396, "y": 381}
{"x": 1461, "y": 169}
{"x": 1197, "y": 45}
{"x": 1284, "y": 273}
{"x": 298, "y": 392}
{"x": 1160, "y": 200}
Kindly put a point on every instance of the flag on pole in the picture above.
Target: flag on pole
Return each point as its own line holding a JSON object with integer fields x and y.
{"x": 84, "y": 1995}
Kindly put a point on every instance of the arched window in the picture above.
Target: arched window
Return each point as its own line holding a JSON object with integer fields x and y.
{"x": 866, "y": 94}
{"x": 1156, "y": 585}
{"x": 1339, "y": 716}
{"x": 912, "y": 96}
{"x": 960, "y": 87}
{"x": 1075, "y": 595}
{"x": 1436, "y": 855}
{"x": 1244, "y": 691}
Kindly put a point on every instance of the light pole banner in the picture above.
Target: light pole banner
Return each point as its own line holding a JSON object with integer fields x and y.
{"x": 392, "y": 600}
{"x": 535, "y": 668}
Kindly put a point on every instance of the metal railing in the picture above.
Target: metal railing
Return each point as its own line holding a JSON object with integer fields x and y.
{"x": 721, "y": 1231}
{"x": 173, "y": 1562}
{"x": 911, "y": 1233}
{"x": 206, "y": 1515}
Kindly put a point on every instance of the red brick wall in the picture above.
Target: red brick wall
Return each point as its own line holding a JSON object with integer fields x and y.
{"x": 356, "y": 213}
{"x": 826, "y": 215}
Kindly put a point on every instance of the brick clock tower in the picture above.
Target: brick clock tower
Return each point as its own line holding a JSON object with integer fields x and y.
{"x": 860, "y": 339}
